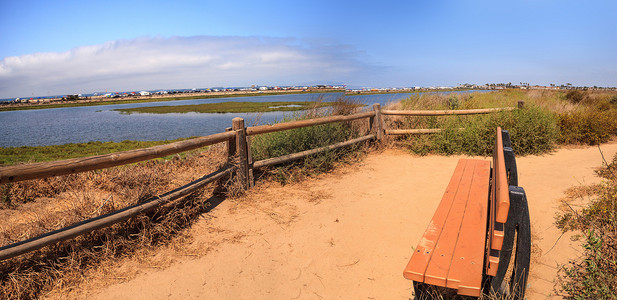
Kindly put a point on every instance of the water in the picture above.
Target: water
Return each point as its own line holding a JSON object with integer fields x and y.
{"x": 59, "y": 126}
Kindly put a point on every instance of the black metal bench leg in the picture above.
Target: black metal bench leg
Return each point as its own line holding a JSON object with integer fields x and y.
{"x": 517, "y": 225}
{"x": 523, "y": 248}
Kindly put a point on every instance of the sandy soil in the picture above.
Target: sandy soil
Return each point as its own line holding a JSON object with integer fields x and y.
{"x": 349, "y": 234}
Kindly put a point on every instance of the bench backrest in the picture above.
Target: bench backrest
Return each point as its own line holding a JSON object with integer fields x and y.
{"x": 502, "y": 175}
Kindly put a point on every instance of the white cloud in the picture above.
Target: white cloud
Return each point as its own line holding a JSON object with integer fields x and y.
{"x": 178, "y": 62}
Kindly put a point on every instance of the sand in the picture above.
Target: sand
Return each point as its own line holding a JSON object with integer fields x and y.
{"x": 348, "y": 234}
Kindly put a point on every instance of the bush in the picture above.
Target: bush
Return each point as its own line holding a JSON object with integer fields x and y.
{"x": 587, "y": 126}
{"x": 576, "y": 96}
{"x": 533, "y": 131}
{"x": 281, "y": 143}
{"x": 453, "y": 102}
{"x": 291, "y": 141}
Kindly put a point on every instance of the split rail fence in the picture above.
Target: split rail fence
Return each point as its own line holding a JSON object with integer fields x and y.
{"x": 238, "y": 139}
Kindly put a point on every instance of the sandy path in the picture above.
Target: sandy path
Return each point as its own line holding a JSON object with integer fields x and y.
{"x": 348, "y": 235}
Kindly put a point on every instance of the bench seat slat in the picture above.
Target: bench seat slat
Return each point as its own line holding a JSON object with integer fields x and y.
{"x": 437, "y": 270}
{"x": 468, "y": 258}
{"x": 422, "y": 255}
{"x": 464, "y": 204}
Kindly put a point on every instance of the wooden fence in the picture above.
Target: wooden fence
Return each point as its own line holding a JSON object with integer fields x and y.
{"x": 238, "y": 139}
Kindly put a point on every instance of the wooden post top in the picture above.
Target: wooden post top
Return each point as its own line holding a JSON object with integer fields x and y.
{"x": 237, "y": 123}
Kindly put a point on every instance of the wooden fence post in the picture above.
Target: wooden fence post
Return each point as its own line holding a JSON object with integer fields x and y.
{"x": 249, "y": 156}
{"x": 231, "y": 146}
{"x": 378, "y": 123}
{"x": 521, "y": 104}
{"x": 243, "y": 166}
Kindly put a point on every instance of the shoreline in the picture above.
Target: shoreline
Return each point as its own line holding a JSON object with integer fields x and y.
{"x": 101, "y": 100}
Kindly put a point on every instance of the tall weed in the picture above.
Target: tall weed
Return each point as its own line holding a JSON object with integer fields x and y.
{"x": 595, "y": 276}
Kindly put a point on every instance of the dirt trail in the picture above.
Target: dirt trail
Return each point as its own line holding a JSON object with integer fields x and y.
{"x": 348, "y": 235}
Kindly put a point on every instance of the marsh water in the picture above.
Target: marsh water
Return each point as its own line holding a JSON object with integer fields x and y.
{"x": 58, "y": 126}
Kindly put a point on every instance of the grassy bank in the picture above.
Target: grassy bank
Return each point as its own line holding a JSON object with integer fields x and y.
{"x": 106, "y": 101}
{"x": 549, "y": 119}
{"x": 30, "y": 154}
{"x": 228, "y": 107}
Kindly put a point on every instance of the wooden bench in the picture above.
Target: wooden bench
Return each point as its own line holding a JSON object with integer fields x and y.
{"x": 479, "y": 239}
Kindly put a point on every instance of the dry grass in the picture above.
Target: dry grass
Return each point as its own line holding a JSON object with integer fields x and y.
{"x": 44, "y": 205}
{"x": 594, "y": 276}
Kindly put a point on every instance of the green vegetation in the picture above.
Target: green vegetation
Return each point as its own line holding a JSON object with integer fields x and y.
{"x": 30, "y": 154}
{"x": 595, "y": 276}
{"x": 281, "y": 143}
{"x": 228, "y": 107}
{"x": 533, "y": 131}
{"x": 549, "y": 118}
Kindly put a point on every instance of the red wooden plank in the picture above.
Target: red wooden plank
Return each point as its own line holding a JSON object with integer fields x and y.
{"x": 422, "y": 255}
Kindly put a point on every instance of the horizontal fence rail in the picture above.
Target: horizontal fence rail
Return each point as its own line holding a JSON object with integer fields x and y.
{"x": 305, "y": 123}
{"x": 444, "y": 112}
{"x": 69, "y": 166}
{"x": 415, "y": 131}
{"x": 86, "y": 226}
{"x": 411, "y": 131}
{"x": 299, "y": 155}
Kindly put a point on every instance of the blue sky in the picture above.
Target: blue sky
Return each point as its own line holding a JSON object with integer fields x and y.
{"x": 59, "y": 47}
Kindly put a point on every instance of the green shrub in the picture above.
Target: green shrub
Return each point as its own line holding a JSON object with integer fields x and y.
{"x": 286, "y": 142}
{"x": 575, "y": 117}
{"x": 587, "y": 126}
{"x": 533, "y": 131}
{"x": 453, "y": 102}
{"x": 296, "y": 140}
